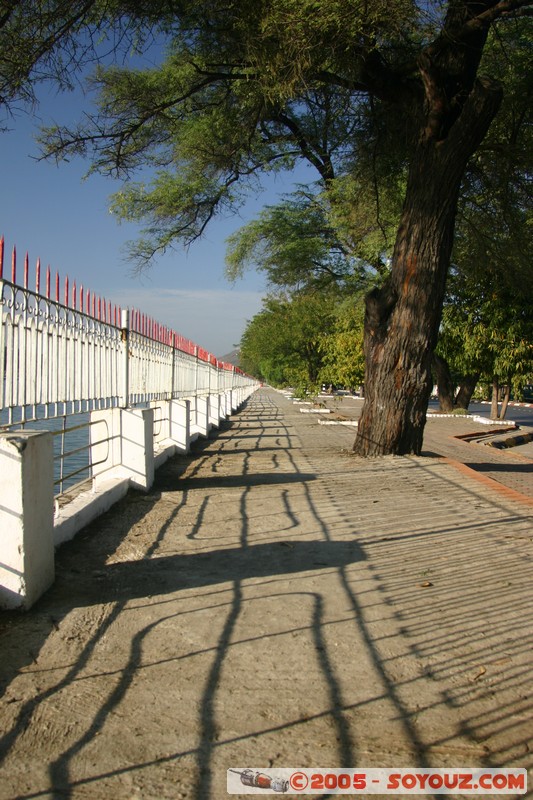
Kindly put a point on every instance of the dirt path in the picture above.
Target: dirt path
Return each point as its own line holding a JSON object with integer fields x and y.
{"x": 274, "y": 602}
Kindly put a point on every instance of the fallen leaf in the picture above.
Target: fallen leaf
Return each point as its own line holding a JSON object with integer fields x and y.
{"x": 480, "y": 671}
{"x": 425, "y": 584}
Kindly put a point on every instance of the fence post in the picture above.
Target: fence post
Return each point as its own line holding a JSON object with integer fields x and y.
{"x": 213, "y": 417}
{"x": 137, "y": 431}
{"x": 125, "y": 335}
{"x": 26, "y": 517}
{"x": 179, "y": 424}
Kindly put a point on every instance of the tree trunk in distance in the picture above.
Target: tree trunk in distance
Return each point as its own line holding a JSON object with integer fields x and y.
{"x": 495, "y": 395}
{"x": 466, "y": 390}
{"x": 445, "y": 384}
{"x": 505, "y": 401}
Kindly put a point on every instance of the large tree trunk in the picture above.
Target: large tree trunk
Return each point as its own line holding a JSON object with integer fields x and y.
{"x": 402, "y": 318}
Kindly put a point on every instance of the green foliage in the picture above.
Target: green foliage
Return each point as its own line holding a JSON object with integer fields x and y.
{"x": 247, "y": 88}
{"x": 488, "y": 328}
{"x": 365, "y": 214}
{"x": 342, "y": 348}
{"x": 54, "y": 40}
{"x": 306, "y": 340}
{"x": 487, "y": 318}
{"x": 295, "y": 245}
{"x": 338, "y": 236}
{"x": 282, "y": 344}
{"x": 494, "y": 223}
{"x": 244, "y": 90}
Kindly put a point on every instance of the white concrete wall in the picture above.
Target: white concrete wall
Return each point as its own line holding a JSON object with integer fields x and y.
{"x": 124, "y": 454}
{"x": 200, "y": 426}
{"x": 26, "y": 517}
{"x": 214, "y": 416}
{"x": 137, "y": 436}
{"x": 179, "y": 426}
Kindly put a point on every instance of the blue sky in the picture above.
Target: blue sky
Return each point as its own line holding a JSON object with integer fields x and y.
{"x": 55, "y": 214}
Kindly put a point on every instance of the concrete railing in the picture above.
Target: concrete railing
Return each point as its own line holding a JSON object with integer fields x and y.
{"x": 33, "y": 525}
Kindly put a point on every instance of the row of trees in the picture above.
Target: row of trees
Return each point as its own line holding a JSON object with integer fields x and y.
{"x": 390, "y": 102}
{"x": 306, "y": 339}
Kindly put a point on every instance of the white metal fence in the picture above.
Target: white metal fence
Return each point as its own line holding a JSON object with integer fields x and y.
{"x": 83, "y": 354}
{"x": 57, "y": 360}
{"x": 65, "y": 351}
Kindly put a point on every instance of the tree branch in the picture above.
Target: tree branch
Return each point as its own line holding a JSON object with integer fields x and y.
{"x": 320, "y": 161}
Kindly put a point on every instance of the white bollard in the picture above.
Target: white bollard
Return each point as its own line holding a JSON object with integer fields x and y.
{"x": 179, "y": 426}
{"x": 226, "y": 404}
{"x": 26, "y": 517}
{"x": 138, "y": 446}
{"x": 214, "y": 411}
{"x": 201, "y": 427}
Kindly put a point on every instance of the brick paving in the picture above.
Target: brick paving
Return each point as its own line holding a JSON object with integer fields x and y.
{"x": 511, "y": 467}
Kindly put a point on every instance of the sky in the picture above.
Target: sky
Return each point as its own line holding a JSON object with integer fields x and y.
{"x": 55, "y": 214}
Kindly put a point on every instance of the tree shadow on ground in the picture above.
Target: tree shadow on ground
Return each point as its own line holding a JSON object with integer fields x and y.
{"x": 482, "y": 466}
{"x": 424, "y": 626}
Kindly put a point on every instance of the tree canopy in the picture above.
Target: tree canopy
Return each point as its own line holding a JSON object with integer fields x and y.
{"x": 251, "y": 88}
{"x": 388, "y": 94}
{"x": 55, "y": 40}
{"x": 283, "y": 344}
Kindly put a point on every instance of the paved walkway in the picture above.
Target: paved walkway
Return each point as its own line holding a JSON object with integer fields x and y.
{"x": 276, "y": 602}
{"x": 455, "y": 438}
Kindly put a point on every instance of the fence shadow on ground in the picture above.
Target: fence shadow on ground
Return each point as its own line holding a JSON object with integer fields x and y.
{"x": 396, "y": 614}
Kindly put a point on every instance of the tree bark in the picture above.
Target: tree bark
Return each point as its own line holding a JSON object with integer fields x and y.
{"x": 466, "y": 390}
{"x": 402, "y": 318}
{"x": 445, "y": 384}
{"x": 505, "y": 401}
{"x": 495, "y": 398}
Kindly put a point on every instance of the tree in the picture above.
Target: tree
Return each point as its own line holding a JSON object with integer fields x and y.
{"x": 283, "y": 343}
{"x": 342, "y": 348}
{"x": 487, "y": 335}
{"x": 487, "y": 328}
{"x": 55, "y": 40}
{"x": 251, "y": 88}
{"x": 296, "y": 246}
